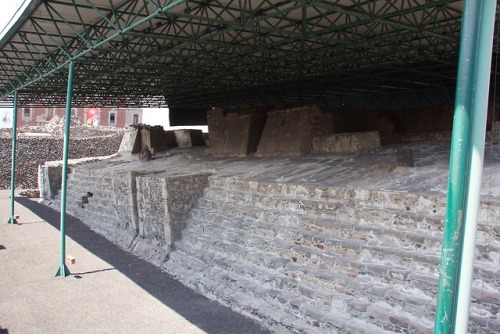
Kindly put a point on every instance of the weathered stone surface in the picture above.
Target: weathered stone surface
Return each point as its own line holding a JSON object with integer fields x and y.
{"x": 288, "y": 132}
{"x": 324, "y": 258}
{"x": 131, "y": 141}
{"x": 405, "y": 157}
{"x": 150, "y": 250}
{"x": 347, "y": 142}
{"x": 164, "y": 203}
{"x": 49, "y": 179}
{"x": 182, "y": 193}
{"x": 33, "y": 151}
{"x": 189, "y": 138}
{"x": 235, "y": 134}
{"x": 125, "y": 191}
{"x": 152, "y": 208}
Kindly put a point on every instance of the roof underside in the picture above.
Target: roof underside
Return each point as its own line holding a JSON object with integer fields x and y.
{"x": 230, "y": 53}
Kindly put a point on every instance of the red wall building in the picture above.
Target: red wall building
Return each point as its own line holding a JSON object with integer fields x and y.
{"x": 118, "y": 117}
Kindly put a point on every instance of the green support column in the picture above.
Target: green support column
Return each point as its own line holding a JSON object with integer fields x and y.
{"x": 12, "y": 220}
{"x": 472, "y": 84}
{"x": 475, "y": 161}
{"x": 63, "y": 271}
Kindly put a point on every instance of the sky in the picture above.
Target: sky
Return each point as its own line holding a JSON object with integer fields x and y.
{"x": 7, "y": 11}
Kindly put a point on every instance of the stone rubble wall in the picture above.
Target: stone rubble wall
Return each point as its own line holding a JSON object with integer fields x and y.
{"x": 34, "y": 151}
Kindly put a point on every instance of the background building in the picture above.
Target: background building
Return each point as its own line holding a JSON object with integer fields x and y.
{"x": 118, "y": 117}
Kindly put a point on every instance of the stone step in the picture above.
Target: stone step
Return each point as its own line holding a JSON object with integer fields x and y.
{"x": 411, "y": 224}
{"x": 317, "y": 305}
{"x": 94, "y": 201}
{"x": 91, "y": 186}
{"x": 319, "y": 208}
{"x": 303, "y": 206}
{"x": 334, "y": 240}
{"x": 77, "y": 192}
{"x": 219, "y": 284}
{"x": 421, "y": 275}
{"x": 389, "y": 220}
{"x": 423, "y": 204}
{"x": 288, "y": 253}
{"x": 283, "y": 224}
{"x": 351, "y": 261}
{"x": 94, "y": 214}
{"x": 89, "y": 176}
{"x": 374, "y": 199}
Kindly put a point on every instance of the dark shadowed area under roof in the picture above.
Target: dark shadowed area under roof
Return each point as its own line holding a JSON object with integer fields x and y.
{"x": 233, "y": 53}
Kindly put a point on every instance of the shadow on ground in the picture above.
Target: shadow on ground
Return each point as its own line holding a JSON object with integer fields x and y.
{"x": 207, "y": 315}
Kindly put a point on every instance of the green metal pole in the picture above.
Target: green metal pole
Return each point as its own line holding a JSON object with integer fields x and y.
{"x": 63, "y": 271}
{"x": 459, "y": 172}
{"x": 476, "y": 157}
{"x": 12, "y": 220}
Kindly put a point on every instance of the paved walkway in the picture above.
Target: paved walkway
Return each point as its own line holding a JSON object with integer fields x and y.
{"x": 108, "y": 291}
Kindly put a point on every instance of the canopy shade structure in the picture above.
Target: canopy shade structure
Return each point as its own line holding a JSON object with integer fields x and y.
{"x": 230, "y": 53}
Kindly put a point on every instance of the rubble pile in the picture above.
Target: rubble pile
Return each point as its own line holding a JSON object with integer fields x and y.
{"x": 36, "y": 145}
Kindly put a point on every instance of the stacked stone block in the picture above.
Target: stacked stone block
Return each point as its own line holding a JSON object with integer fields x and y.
{"x": 287, "y": 133}
{"x": 189, "y": 138}
{"x": 347, "y": 142}
{"x": 141, "y": 213}
{"x": 322, "y": 260}
{"x": 235, "y": 134}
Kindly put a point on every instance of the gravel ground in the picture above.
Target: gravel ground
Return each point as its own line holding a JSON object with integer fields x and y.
{"x": 36, "y": 145}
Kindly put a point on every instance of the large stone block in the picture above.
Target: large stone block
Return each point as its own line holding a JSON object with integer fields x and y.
{"x": 131, "y": 142}
{"x": 189, "y": 138}
{"x": 158, "y": 139}
{"x": 125, "y": 195}
{"x": 235, "y": 134}
{"x": 137, "y": 137}
{"x": 152, "y": 207}
{"x": 49, "y": 179}
{"x": 289, "y": 132}
{"x": 347, "y": 142}
{"x": 163, "y": 204}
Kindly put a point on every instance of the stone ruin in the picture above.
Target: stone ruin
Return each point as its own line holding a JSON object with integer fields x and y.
{"x": 156, "y": 139}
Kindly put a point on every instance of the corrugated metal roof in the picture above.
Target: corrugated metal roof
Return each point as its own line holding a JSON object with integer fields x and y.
{"x": 229, "y": 52}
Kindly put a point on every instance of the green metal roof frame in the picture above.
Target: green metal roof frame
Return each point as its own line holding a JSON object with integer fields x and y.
{"x": 228, "y": 53}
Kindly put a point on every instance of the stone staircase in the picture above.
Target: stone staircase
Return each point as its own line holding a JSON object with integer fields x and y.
{"x": 98, "y": 210}
{"x": 328, "y": 260}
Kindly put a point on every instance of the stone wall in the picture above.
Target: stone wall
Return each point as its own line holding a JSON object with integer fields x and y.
{"x": 347, "y": 142}
{"x": 49, "y": 179}
{"x": 289, "y": 132}
{"x": 189, "y": 138}
{"x": 35, "y": 151}
{"x": 182, "y": 193}
{"x": 393, "y": 124}
{"x": 125, "y": 191}
{"x": 152, "y": 207}
{"x": 235, "y": 134}
{"x": 157, "y": 140}
{"x": 131, "y": 141}
{"x": 144, "y": 213}
{"x": 164, "y": 202}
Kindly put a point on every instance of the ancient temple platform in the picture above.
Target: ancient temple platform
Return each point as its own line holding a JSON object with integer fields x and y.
{"x": 316, "y": 243}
